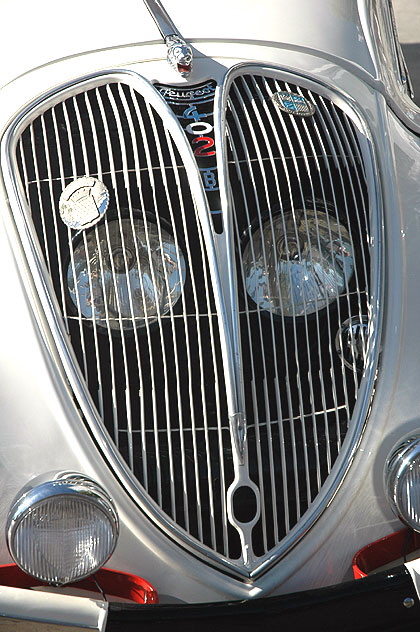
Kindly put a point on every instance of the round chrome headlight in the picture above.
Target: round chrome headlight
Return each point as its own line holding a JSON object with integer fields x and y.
{"x": 62, "y": 530}
{"x": 402, "y": 481}
{"x": 124, "y": 272}
{"x": 298, "y": 262}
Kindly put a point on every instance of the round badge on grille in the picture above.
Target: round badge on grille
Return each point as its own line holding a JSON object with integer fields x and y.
{"x": 293, "y": 104}
{"x": 83, "y": 202}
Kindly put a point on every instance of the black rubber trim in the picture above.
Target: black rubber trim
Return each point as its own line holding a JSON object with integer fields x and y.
{"x": 375, "y": 603}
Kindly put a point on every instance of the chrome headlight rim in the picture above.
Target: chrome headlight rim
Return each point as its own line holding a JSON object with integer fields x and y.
{"x": 398, "y": 465}
{"x": 141, "y": 328}
{"x": 59, "y": 485}
{"x": 305, "y": 205}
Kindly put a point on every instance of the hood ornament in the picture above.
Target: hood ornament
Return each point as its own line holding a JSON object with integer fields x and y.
{"x": 180, "y": 54}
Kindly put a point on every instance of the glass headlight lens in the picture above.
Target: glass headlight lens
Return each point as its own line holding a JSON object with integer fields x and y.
{"x": 297, "y": 263}
{"x": 402, "y": 481}
{"x": 125, "y": 272}
{"x": 62, "y": 530}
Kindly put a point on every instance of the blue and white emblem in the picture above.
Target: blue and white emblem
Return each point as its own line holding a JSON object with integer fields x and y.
{"x": 293, "y": 104}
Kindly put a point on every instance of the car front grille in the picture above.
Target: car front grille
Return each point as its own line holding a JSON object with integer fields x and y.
{"x": 159, "y": 383}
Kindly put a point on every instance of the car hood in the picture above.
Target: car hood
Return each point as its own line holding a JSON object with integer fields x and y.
{"x": 46, "y": 34}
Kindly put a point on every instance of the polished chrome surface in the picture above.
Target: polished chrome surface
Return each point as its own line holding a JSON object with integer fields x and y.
{"x": 62, "y": 529}
{"x": 83, "y": 203}
{"x": 226, "y": 422}
{"x": 179, "y": 54}
{"x": 35, "y": 611}
{"x": 402, "y": 478}
{"x": 161, "y": 18}
{"x": 298, "y": 262}
{"x": 158, "y": 428}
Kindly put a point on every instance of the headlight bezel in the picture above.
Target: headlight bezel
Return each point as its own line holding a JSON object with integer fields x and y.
{"x": 54, "y": 487}
{"x": 402, "y": 460}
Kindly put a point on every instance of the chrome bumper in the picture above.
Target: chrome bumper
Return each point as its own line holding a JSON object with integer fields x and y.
{"x": 33, "y": 611}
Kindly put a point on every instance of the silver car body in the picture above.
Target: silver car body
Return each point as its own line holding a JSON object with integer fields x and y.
{"x": 342, "y": 48}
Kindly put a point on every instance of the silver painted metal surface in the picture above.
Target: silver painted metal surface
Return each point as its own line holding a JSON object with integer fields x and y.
{"x": 30, "y": 611}
{"x": 337, "y": 56}
{"x": 153, "y": 433}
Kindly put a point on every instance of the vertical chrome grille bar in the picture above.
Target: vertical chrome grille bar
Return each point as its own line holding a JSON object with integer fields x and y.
{"x": 98, "y": 163}
{"x": 110, "y": 154}
{"x": 300, "y": 195}
{"x": 95, "y": 332}
{"x": 51, "y": 194}
{"x": 178, "y": 386}
{"x": 69, "y": 236}
{"x": 166, "y": 387}
{"x": 325, "y": 116}
{"x": 236, "y": 159}
{"x": 38, "y": 188}
{"x": 351, "y": 151}
{"x": 314, "y": 203}
{"x": 143, "y": 138}
{"x": 252, "y": 175}
{"x": 325, "y": 159}
{"x": 196, "y": 316}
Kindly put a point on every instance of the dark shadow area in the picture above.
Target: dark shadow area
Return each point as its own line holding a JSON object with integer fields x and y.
{"x": 412, "y": 57}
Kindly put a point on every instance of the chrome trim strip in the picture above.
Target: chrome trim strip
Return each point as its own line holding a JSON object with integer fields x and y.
{"x": 162, "y": 19}
{"x": 27, "y": 610}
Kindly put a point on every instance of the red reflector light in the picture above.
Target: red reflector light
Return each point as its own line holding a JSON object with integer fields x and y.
{"x": 114, "y": 584}
{"x": 384, "y": 552}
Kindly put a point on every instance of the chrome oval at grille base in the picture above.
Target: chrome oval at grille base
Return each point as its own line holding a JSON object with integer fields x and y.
{"x": 161, "y": 389}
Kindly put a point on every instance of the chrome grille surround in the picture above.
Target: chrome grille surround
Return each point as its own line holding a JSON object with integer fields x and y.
{"x": 224, "y": 436}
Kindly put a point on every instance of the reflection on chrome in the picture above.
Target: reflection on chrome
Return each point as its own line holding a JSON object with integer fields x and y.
{"x": 351, "y": 342}
{"x": 124, "y": 272}
{"x": 298, "y": 262}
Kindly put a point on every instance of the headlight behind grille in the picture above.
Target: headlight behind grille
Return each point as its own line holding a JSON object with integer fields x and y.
{"x": 124, "y": 272}
{"x": 298, "y": 262}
